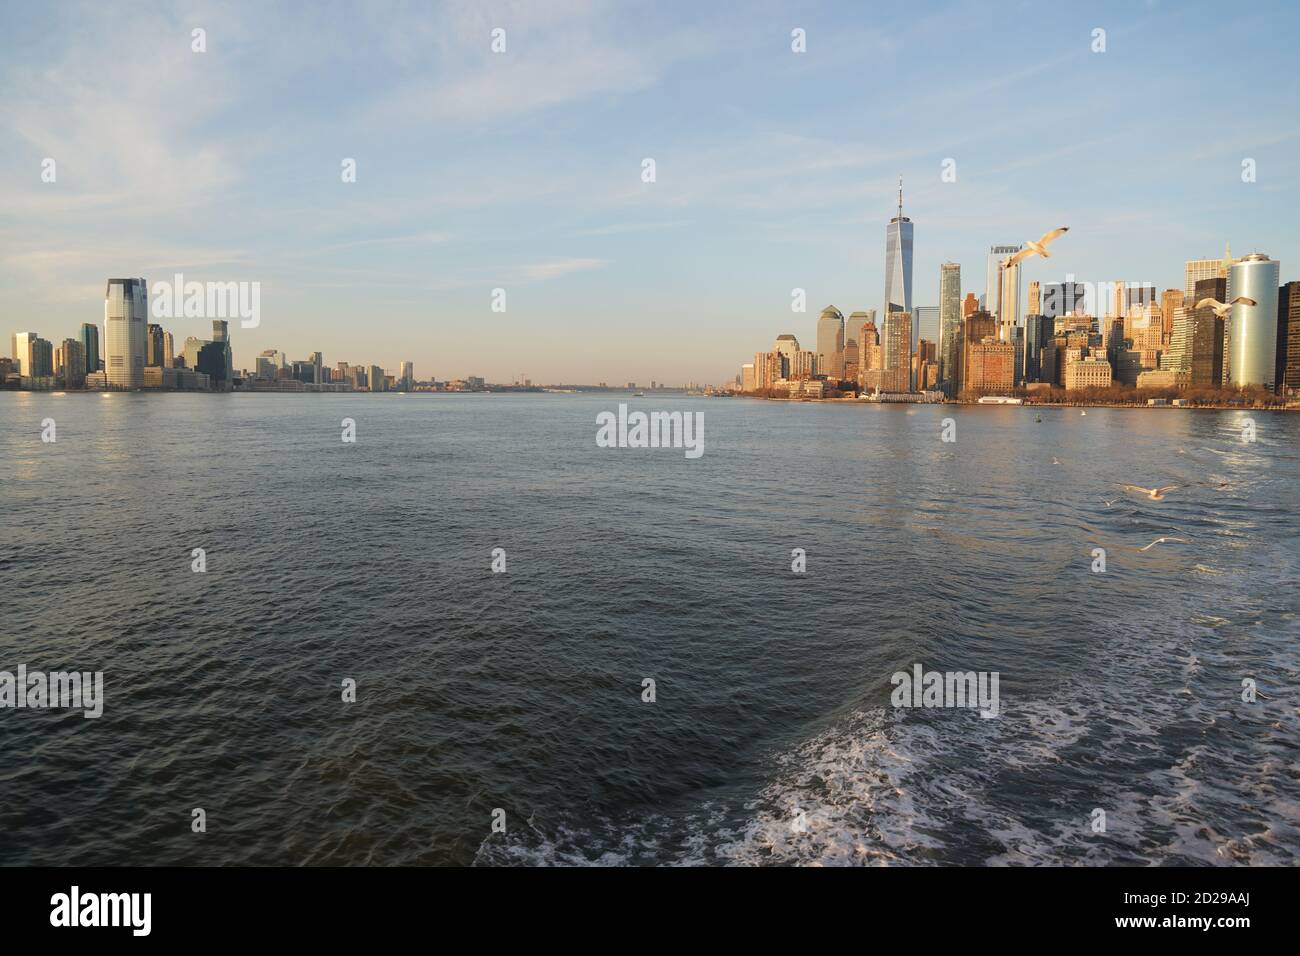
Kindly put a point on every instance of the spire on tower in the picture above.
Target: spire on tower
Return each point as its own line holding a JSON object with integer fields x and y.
{"x": 900, "y": 197}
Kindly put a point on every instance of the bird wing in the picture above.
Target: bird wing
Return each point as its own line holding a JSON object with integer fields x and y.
{"x": 1019, "y": 256}
{"x": 1145, "y": 491}
{"x": 1054, "y": 234}
{"x": 1244, "y": 300}
{"x": 1211, "y": 303}
{"x": 1161, "y": 491}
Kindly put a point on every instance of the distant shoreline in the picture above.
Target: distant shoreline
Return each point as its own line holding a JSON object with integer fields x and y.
{"x": 1036, "y": 405}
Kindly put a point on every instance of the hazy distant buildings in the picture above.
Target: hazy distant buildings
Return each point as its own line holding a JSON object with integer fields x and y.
{"x": 72, "y": 363}
{"x": 1252, "y": 358}
{"x": 126, "y": 310}
{"x": 376, "y": 377}
{"x": 407, "y": 376}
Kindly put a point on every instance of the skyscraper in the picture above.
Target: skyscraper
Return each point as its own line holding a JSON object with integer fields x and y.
{"x": 22, "y": 350}
{"x": 73, "y": 365}
{"x": 1035, "y": 299}
{"x": 1252, "y": 358}
{"x": 126, "y": 310}
{"x": 1198, "y": 269}
{"x": 1038, "y": 330}
{"x": 221, "y": 336}
{"x": 897, "y": 347}
{"x": 978, "y": 326}
{"x": 949, "y": 319}
{"x": 153, "y": 346}
{"x": 408, "y": 375}
{"x": 898, "y": 267}
{"x": 90, "y": 345}
{"x": 1288, "y": 346}
{"x": 830, "y": 343}
{"x": 1008, "y": 313}
{"x": 993, "y": 288}
{"x": 1063, "y": 298}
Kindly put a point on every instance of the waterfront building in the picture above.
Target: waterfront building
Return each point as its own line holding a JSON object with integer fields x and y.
{"x": 898, "y": 267}
{"x": 1087, "y": 373}
{"x": 830, "y": 343}
{"x": 992, "y": 365}
{"x": 1288, "y": 346}
{"x": 978, "y": 326}
{"x": 1252, "y": 358}
{"x": 950, "y": 317}
{"x": 90, "y": 345}
{"x": 126, "y": 310}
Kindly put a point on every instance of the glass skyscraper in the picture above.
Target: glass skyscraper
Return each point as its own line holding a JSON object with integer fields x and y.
{"x": 949, "y": 319}
{"x": 1252, "y": 343}
{"x": 126, "y": 311}
{"x": 898, "y": 266}
{"x": 90, "y": 345}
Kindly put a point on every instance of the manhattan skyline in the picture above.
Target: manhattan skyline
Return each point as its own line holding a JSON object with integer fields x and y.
{"x": 523, "y": 170}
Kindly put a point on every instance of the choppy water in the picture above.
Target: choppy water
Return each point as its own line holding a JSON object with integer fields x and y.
{"x": 522, "y": 690}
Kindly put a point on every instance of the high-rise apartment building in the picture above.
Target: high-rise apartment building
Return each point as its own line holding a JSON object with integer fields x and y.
{"x": 126, "y": 311}
{"x": 992, "y": 365}
{"x": 949, "y": 318}
{"x": 897, "y": 347}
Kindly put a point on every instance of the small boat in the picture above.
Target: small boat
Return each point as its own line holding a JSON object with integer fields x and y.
{"x": 1038, "y": 418}
{"x": 1083, "y": 413}
{"x": 638, "y": 395}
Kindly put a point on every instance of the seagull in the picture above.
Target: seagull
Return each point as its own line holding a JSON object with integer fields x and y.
{"x": 1221, "y": 309}
{"x": 1055, "y": 460}
{"x": 1109, "y": 503}
{"x": 1155, "y": 494}
{"x": 1038, "y": 248}
{"x": 1161, "y": 541}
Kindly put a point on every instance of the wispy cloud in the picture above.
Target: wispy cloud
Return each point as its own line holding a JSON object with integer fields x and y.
{"x": 556, "y": 268}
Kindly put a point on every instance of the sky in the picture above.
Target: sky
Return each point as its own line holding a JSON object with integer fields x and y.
{"x": 522, "y": 170}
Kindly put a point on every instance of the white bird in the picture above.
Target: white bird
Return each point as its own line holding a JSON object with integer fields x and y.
{"x": 1110, "y": 502}
{"x": 1162, "y": 541}
{"x": 1155, "y": 494}
{"x": 1221, "y": 309}
{"x": 1083, "y": 413}
{"x": 1038, "y": 248}
{"x": 1056, "y": 461}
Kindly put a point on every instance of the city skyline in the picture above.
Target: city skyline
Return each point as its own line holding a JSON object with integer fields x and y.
{"x": 537, "y": 188}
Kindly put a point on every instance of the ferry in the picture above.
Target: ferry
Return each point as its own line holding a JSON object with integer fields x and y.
{"x": 1001, "y": 400}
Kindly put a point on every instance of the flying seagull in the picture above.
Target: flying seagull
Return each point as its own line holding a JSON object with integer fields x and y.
{"x": 1155, "y": 494}
{"x": 1038, "y": 248}
{"x": 1221, "y": 309}
{"x": 1162, "y": 541}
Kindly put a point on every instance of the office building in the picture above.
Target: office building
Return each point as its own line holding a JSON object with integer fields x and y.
{"x": 1288, "y": 307}
{"x": 1038, "y": 330}
{"x": 830, "y": 343}
{"x": 1252, "y": 340}
{"x": 153, "y": 346}
{"x": 898, "y": 265}
{"x": 90, "y": 345}
{"x": 126, "y": 311}
{"x": 993, "y": 289}
{"x": 949, "y": 318}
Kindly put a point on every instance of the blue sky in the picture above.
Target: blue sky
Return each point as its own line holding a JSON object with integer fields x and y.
{"x": 522, "y": 170}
